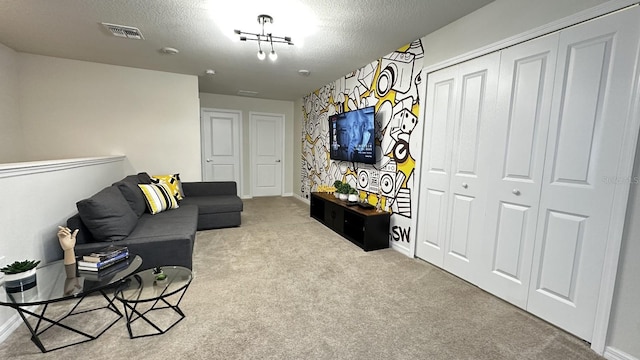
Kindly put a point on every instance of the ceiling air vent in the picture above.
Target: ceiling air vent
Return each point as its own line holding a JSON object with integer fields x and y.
{"x": 122, "y": 31}
{"x": 247, "y": 93}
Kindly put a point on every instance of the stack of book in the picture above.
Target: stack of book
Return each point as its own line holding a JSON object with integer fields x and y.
{"x": 103, "y": 258}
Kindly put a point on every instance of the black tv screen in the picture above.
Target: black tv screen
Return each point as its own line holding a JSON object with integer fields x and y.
{"x": 351, "y": 136}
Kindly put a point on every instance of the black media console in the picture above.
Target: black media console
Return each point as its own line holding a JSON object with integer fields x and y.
{"x": 367, "y": 228}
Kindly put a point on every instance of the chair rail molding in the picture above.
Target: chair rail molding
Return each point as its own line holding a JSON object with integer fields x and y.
{"x": 34, "y": 167}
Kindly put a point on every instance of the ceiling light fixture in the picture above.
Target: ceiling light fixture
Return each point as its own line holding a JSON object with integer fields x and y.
{"x": 264, "y": 37}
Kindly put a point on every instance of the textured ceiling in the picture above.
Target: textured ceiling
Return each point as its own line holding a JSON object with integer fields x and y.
{"x": 332, "y": 37}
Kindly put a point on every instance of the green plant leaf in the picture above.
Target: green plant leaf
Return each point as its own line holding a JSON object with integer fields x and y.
{"x": 20, "y": 266}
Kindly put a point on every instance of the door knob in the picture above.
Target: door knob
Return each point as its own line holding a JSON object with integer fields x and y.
{"x": 515, "y": 192}
{"x": 465, "y": 185}
{"x": 209, "y": 160}
{"x": 278, "y": 160}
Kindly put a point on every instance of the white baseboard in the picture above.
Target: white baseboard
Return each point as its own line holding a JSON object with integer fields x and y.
{"x": 615, "y": 354}
{"x": 9, "y": 327}
{"x": 401, "y": 250}
{"x": 304, "y": 200}
{"x": 283, "y": 195}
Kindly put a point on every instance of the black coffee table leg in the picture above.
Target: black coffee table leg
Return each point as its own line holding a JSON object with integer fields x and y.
{"x": 47, "y": 323}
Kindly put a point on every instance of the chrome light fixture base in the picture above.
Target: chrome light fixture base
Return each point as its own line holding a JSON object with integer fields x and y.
{"x": 264, "y": 37}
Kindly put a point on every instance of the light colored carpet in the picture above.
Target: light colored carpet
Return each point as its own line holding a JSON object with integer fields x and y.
{"x": 282, "y": 286}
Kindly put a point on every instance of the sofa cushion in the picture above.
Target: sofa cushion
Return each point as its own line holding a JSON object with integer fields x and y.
{"x": 107, "y": 215}
{"x": 144, "y": 178}
{"x": 158, "y": 197}
{"x": 84, "y": 235}
{"x": 173, "y": 181}
{"x": 209, "y": 188}
{"x": 214, "y": 204}
{"x": 132, "y": 193}
{"x": 180, "y": 223}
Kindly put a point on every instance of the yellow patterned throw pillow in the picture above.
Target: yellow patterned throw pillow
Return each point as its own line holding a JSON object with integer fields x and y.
{"x": 159, "y": 197}
{"x": 173, "y": 181}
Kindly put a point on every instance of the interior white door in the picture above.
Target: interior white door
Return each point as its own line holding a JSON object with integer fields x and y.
{"x": 435, "y": 174}
{"x": 459, "y": 107}
{"x": 221, "y": 150}
{"x": 519, "y": 136}
{"x": 592, "y": 93}
{"x": 266, "y": 144}
{"x": 468, "y": 186}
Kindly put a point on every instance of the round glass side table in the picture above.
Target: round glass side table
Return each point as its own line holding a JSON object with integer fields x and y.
{"x": 55, "y": 286}
{"x": 151, "y": 302}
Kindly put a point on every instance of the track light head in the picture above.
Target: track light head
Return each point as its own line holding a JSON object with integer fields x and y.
{"x": 261, "y": 55}
{"x": 273, "y": 56}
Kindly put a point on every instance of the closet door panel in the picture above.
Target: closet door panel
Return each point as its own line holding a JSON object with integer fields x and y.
{"x": 440, "y": 110}
{"x": 471, "y": 144}
{"x": 462, "y": 207}
{"x": 592, "y": 93}
{"x": 519, "y": 141}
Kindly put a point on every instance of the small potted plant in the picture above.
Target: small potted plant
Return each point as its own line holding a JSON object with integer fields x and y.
{"x": 343, "y": 191}
{"x": 20, "y": 276}
{"x": 336, "y": 185}
{"x": 159, "y": 276}
{"x": 353, "y": 195}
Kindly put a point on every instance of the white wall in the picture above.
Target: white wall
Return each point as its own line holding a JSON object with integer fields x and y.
{"x": 38, "y": 197}
{"x": 246, "y": 105}
{"x": 11, "y": 147}
{"x": 74, "y": 108}
{"x": 494, "y": 22}
{"x": 506, "y": 18}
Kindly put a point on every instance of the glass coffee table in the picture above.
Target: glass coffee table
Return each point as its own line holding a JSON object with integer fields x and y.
{"x": 53, "y": 286}
{"x": 155, "y": 302}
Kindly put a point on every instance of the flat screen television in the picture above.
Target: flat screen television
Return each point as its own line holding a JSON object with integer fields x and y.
{"x": 352, "y": 136}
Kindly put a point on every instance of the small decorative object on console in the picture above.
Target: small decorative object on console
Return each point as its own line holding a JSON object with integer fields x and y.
{"x": 326, "y": 189}
{"x": 365, "y": 205}
{"x": 337, "y": 184}
{"x": 353, "y": 195}
{"x": 343, "y": 191}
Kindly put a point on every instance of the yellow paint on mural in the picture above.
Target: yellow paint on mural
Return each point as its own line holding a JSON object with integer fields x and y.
{"x": 406, "y": 167}
{"x": 309, "y": 139}
{"x": 404, "y": 48}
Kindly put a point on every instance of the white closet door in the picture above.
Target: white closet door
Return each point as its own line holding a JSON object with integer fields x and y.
{"x": 468, "y": 185}
{"x": 592, "y": 93}
{"x": 519, "y": 137}
{"x": 440, "y": 110}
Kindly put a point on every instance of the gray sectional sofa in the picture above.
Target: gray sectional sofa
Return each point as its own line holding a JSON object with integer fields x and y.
{"x": 118, "y": 214}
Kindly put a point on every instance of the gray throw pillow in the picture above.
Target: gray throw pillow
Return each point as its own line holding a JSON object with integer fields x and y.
{"x": 107, "y": 215}
{"x": 144, "y": 178}
{"x": 132, "y": 193}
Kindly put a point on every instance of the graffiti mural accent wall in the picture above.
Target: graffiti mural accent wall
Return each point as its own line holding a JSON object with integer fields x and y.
{"x": 391, "y": 85}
